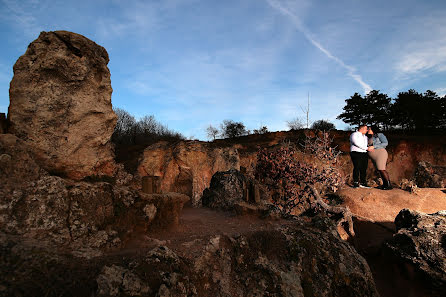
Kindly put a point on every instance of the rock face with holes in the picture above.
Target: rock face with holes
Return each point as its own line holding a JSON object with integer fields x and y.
{"x": 420, "y": 245}
{"x": 187, "y": 167}
{"x": 60, "y": 105}
{"x": 231, "y": 190}
{"x": 35, "y": 204}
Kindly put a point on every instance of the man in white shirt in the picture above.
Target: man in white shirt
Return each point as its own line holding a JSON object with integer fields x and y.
{"x": 360, "y": 159}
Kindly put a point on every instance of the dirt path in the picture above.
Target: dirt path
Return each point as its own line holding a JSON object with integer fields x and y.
{"x": 197, "y": 226}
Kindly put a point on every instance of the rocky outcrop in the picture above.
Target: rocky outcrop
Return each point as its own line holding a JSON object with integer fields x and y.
{"x": 232, "y": 190}
{"x": 420, "y": 246}
{"x": 16, "y": 163}
{"x": 296, "y": 259}
{"x": 187, "y": 167}
{"x": 430, "y": 176}
{"x": 164, "y": 210}
{"x": 63, "y": 212}
{"x": 3, "y": 123}
{"x": 81, "y": 214}
{"x": 60, "y": 105}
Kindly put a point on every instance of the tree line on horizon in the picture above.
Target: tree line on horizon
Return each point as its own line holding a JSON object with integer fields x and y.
{"x": 408, "y": 111}
{"x": 130, "y": 131}
{"x": 232, "y": 129}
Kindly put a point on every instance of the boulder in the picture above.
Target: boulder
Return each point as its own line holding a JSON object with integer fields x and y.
{"x": 60, "y": 105}
{"x": 420, "y": 246}
{"x": 302, "y": 259}
{"x": 231, "y": 190}
{"x": 430, "y": 176}
{"x": 187, "y": 167}
{"x": 164, "y": 210}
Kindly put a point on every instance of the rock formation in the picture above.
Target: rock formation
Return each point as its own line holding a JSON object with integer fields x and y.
{"x": 16, "y": 163}
{"x": 3, "y": 123}
{"x": 35, "y": 204}
{"x": 420, "y": 246}
{"x": 187, "y": 167}
{"x": 430, "y": 176}
{"x": 231, "y": 190}
{"x": 60, "y": 104}
{"x": 298, "y": 258}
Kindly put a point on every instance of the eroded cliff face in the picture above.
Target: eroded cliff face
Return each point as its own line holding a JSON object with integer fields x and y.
{"x": 187, "y": 166}
{"x": 60, "y": 104}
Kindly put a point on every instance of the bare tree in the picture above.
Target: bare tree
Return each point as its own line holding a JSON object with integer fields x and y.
{"x": 148, "y": 124}
{"x": 295, "y": 124}
{"x": 306, "y": 111}
{"x": 130, "y": 131}
{"x": 125, "y": 121}
{"x": 212, "y": 132}
{"x": 261, "y": 130}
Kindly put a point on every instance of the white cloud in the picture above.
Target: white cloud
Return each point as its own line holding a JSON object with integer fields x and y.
{"x": 440, "y": 91}
{"x": 351, "y": 71}
{"x": 23, "y": 14}
{"x": 138, "y": 17}
{"x": 430, "y": 58}
{"x": 424, "y": 49}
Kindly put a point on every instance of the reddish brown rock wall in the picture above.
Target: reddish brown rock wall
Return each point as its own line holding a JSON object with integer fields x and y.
{"x": 187, "y": 167}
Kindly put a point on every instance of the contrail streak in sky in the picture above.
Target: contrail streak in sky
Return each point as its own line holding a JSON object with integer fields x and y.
{"x": 351, "y": 71}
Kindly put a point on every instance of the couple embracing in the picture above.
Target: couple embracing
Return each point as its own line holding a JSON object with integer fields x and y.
{"x": 364, "y": 143}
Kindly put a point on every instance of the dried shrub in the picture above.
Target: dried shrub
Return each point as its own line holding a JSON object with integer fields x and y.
{"x": 290, "y": 172}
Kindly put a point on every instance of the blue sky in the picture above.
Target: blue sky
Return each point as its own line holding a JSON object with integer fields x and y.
{"x": 192, "y": 63}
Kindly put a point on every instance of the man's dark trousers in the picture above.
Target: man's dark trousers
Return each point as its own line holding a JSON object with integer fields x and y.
{"x": 360, "y": 163}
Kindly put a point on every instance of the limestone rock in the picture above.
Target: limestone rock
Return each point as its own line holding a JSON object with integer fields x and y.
{"x": 187, "y": 167}
{"x": 16, "y": 164}
{"x": 298, "y": 258}
{"x": 34, "y": 268}
{"x": 115, "y": 279}
{"x": 164, "y": 210}
{"x": 78, "y": 214}
{"x": 60, "y": 105}
{"x": 430, "y": 176}
{"x": 231, "y": 190}
{"x": 420, "y": 244}
{"x": 318, "y": 263}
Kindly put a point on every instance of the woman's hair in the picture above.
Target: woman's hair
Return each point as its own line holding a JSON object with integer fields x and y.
{"x": 375, "y": 129}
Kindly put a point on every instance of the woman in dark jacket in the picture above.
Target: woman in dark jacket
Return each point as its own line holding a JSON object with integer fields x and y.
{"x": 379, "y": 154}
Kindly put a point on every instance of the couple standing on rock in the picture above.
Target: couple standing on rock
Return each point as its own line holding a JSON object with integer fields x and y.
{"x": 364, "y": 143}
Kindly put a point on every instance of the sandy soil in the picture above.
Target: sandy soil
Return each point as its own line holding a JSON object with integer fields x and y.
{"x": 384, "y": 206}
